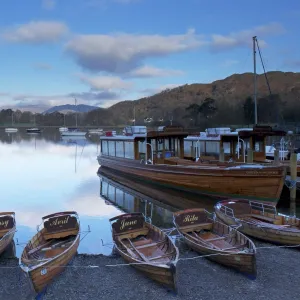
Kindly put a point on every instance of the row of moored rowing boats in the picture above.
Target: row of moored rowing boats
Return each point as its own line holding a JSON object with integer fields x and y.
{"x": 222, "y": 236}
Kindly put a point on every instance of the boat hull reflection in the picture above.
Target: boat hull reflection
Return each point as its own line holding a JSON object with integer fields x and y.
{"x": 134, "y": 196}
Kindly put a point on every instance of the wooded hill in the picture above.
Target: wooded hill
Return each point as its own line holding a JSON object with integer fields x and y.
{"x": 222, "y": 102}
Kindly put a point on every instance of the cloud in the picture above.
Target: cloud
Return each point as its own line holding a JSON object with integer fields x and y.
{"x": 91, "y": 96}
{"x": 40, "y": 103}
{"x": 106, "y": 83}
{"x": 148, "y": 71}
{"x": 229, "y": 63}
{"x": 48, "y": 4}
{"x": 121, "y": 53}
{"x": 244, "y": 38}
{"x": 4, "y": 94}
{"x": 42, "y": 66}
{"x": 35, "y": 32}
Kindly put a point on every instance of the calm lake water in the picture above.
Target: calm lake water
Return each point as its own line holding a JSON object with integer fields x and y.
{"x": 44, "y": 173}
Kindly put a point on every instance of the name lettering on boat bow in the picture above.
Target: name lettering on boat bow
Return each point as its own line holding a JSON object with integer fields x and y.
{"x": 60, "y": 223}
{"x": 190, "y": 219}
{"x": 127, "y": 224}
{"x": 6, "y": 222}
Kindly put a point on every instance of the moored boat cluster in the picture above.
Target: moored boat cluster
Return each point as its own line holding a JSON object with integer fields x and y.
{"x": 222, "y": 236}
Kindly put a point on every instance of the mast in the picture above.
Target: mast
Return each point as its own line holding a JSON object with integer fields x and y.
{"x": 76, "y": 111}
{"x": 254, "y": 81}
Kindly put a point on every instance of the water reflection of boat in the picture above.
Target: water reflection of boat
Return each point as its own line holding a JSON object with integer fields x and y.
{"x": 130, "y": 201}
{"x": 156, "y": 204}
{"x": 164, "y": 197}
{"x": 79, "y": 140}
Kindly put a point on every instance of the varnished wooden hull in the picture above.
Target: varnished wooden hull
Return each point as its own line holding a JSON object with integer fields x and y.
{"x": 242, "y": 261}
{"x": 164, "y": 274}
{"x": 263, "y": 184}
{"x": 269, "y": 233}
{"x": 42, "y": 275}
{"x": 6, "y": 240}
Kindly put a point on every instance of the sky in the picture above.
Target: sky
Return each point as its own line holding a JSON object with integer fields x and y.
{"x": 105, "y": 51}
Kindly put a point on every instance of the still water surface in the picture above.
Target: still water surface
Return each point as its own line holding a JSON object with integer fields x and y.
{"x": 44, "y": 173}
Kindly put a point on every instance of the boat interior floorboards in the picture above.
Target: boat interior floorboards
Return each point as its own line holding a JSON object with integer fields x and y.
{"x": 50, "y": 249}
{"x": 216, "y": 241}
{"x": 148, "y": 249}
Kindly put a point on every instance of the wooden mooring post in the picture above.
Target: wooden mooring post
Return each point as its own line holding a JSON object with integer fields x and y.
{"x": 249, "y": 155}
{"x": 293, "y": 171}
{"x": 276, "y": 157}
{"x": 221, "y": 155}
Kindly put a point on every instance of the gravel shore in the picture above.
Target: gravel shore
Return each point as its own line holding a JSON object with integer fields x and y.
{"x": 278, "y": 278}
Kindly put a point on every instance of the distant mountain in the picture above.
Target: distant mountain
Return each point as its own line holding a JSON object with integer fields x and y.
{"x": 70, "y": 108}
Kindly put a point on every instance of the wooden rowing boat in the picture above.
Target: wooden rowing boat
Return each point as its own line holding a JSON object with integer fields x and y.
{"x": 260, "y": 221}
{"x": 51, "y": 249}
{"x": 207, "y": 236}
{"x": 7, "y": 229}
{"x": 146, "y": 247}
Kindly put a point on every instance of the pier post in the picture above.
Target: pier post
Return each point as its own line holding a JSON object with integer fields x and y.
{"x": 276, "y": 157}
{"x": 293, "y": 171}
{"x": 193, "y": 152}
{"x": 221, "y": 155}
{"x": 249, "y": 155}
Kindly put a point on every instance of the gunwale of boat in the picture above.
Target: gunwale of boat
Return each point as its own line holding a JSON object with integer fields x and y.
{"x": 35, "y": 240}
{"x": 187, "y": 164}
{"x": 8, "y": 234}
{"x": 146, "y": 263}
{"x": 225, "y": 244}
{"x": 262, "y": 218}
{"x": 287, "y": 232}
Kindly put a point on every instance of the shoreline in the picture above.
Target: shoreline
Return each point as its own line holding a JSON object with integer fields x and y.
{"x": 278, "y": 270}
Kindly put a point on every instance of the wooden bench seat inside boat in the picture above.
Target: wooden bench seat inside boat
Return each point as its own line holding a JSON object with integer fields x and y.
{"x": 215, "y": 241}
{"x": 188, "y": 228}
{"x": 50, "y": 248}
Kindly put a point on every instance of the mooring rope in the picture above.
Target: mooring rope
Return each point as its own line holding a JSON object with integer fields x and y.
{"x": 145, "y": 263}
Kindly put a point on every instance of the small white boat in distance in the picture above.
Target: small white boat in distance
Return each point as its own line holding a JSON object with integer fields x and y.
{"x": 11, "y": 130}
{"x": 33, "y": 130}
{"x": 63, "y": 129}
{"x": 73, "y": 132}
{"x": 98, "y": 131}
